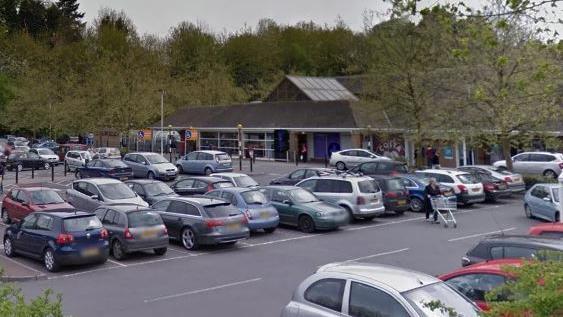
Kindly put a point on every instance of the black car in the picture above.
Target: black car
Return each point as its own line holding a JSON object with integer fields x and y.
{"x": 381, "y": 167}
{"x": 510, "y": 247}
{"x": 151, "y": 190}
{"x": 493, "y": 187}
{"x": 26, "y": 160}
{"x": 301, "y": 174}
{"x": 395, "y": 194}
{"x": 105, "y": 168}
{"x": 199, "y": 185}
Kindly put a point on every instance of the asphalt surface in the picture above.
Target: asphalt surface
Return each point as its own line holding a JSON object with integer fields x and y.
{"x": 257, "y": 277}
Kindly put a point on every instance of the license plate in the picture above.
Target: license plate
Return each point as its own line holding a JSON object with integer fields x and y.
{"x": 475, "y": 189}
{"x": 401, "y": 202}
{"x": 233, "y": 226}
{"x": 90, "y": 252}
{"x": 517, "y": 179}
{"x": 501, "y": 186}
{"x": 149, "y": 234}
{"x": 264, "y": 215}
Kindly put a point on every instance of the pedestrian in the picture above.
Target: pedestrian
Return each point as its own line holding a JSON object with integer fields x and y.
{"x": 432, "y": 190}
{"x": 304, "y": 152}
{"x": 429, "y": 154}
{"x": 436, "y": 160}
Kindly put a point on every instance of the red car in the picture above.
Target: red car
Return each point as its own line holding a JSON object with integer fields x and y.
{"x": 552, "y": 230}
{"x": 475, "y": 280}
{"x": 20, "y": 202}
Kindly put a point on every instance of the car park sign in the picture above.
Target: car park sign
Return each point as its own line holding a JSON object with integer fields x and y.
{"x": 188, "y": 134}
{"x": 141, "y": 134}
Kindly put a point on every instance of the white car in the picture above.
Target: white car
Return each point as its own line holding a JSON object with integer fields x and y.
{"x": 108, "y": 153}
{"x": 515, "y": 181}
{"x": 238, "y": 179}
{"x": 467, "y": 189}
{"x": 347, "y": 159}
{"x": 76, "y": 159}
{"x": 540, "y": 163}
{"x": 46, "y": 154}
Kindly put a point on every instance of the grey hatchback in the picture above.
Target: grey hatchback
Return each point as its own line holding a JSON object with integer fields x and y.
{"x": 196, "y": 221}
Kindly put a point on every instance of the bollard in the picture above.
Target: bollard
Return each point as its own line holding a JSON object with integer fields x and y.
{"x": 52, "y": 172}
{"x": 240, "y": 162}
{"x": 65, "y": 168}
{"x": 296, "y": 159}
{"x": 251, "y": 167}
{"x": 326, "y": 161}
{"x": 32, "y": 172}
{"x": 17, "y": 174}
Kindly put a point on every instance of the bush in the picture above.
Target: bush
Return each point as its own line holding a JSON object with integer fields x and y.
{"x": 531, "y": 180}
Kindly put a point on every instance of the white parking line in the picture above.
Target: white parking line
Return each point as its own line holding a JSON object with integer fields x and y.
{"x": 245, "y": 244}
{"x": 202, "y": 290}
{"x": 115, "y": 262}
{"x": 377, "y": 255}
{"x": 481, "y": 234}
{"x": 21, "y": 264}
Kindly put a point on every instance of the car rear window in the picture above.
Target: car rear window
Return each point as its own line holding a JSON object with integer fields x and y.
{"x": 116, "y": 191}
{"x": 141, "y": 218}
{"x": 221, "y": 210}
{"x": 394, "y": 184}
{"x": 467, "y": 179}
{"x": 254, "y": 197}
{"x": 115, "y": 163}
{"x": 222, "y": 185}
{"x": 44, "y": 197}
{"x": 368, "y": 186}
{"x": 222, "y": 157}
{"x": 77, "y": 224}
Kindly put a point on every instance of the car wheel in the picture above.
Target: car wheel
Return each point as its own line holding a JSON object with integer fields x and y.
{"x": 188, "y": 239}
{"x": 180, "y": 169}
{"x": 417, "y": 205}
{"x": 269, "y": 230}
{"x": 150, "y": 175}
{"x": 528, "y": 211}
{"x": 350, "y": 213}
{"x": 77, "y": 174}
{"x": 117, "y": 250}
{"x": 9, "y": 247}
{"x": 550, "y": 174}
{"x": 160, "y": 251}
{"x": 5, "y": 217}
{"x": 340, "y": 166}
{"x": 49, "y": 261}
{"x": 306, "y": 224}
{"x": 19, "y": 167}
{"x": 208, "y": 171}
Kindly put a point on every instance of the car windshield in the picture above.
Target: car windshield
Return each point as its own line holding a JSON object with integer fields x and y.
{"x": 221, "y": 210}
{"x": 222, "y": 157}
{"x": 555, "y": 193}
{"x": 254, "y": 197}
{"x": 368, "y": 186}
{"x": 302, "y": 196}
{"x": 45, "y": 152}
{"x": 157, "y": 189}
{"x": 156, "y": 159}
{"x": 77, "y": 224}
{"x": 223, "y": 185}
{"x": 425, "y": 299}
{"x": 44, "y": 197}
{"x": 245, "y": 181}
{"x": 115, "y": 164}
{"x": 116, "y": 191}
{"x": 143, "y": 218}
{"x": 467, "y": 179}
{"x": 395, "y": 184}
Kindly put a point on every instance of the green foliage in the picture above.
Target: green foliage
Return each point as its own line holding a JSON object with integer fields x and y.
{"x": 531, "y": 180}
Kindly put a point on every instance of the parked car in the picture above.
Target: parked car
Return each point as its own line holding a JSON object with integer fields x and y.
{"x": 542, "y": 201}
{"x": 510, "y": 247}
{"x": 150, "y": 165}
{"x": 47, "y": 155}
{"x": 132, "y": 229}
{"x": 151, "y": 190}
{"x": 467, "y": 189}
{"x": 197, "y": 221}
{"x": 416, "y": 187}
{"x": 21, "y": 201}
{"x": 26, "y": 160}
{"x": 361, "y": 289}
{"x": 540, "y": 163}
{"x": 493, "y": 187}
{"x": 64, "y": 148}
{"x": 205, "y": 163}
{"x": 89, "y": 194}
{"x": 108, "y": 153}
{"x": 515, "y": 181}
{"x": 346, "y": 159}
{"x": 76, "y": 159}
{"x": 21, "y": 148}
{"x": 105, "y": 168}
{"x": 301, "y": 174}
{"x": 476, "y": 280}
{"x": 253, "y": 204}
{"x": 51, "y": 145}
{"x": 360, "y": 196}
{"x": 395, "y": 193}
{"x": 238, "y": 179}
{"x": 199, "y": 185}
{"x": 548, "y": 230}
{"x": 58, "y": 239}
{"x": 382, "y": 166}
{"x": 299, "y": 207}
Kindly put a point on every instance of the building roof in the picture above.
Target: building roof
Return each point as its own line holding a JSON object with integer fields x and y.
{"x": 322, "y": 88}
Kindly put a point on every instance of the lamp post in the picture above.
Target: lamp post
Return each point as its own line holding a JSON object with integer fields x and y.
{"x": 239, "y": 128}
{"x": 370, "y": 139}
{"x": 161, "y": 121}
{"x": 170, "y": 141}
{"x": 560, "y": 181}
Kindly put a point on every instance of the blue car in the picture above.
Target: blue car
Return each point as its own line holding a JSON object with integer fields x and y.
{"x": 254, "y": 204}
{"x": 205, "y": 162}
{"x": 542, "y": 201}
{"x": 109, "y": 168}
{"x": 415, "y": 185}
{"x": 58, "y": 239}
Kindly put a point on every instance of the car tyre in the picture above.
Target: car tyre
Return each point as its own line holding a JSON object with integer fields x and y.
{"x": 150, "y": 175}
{"x": 269, "y": 230}
{"x": 5, "y": 217}
{"x": 417, "y": 205}
{"x": 207, "y": 171}
{"x": 188, "y": 239}
{"x": 50, "y": 262}
{"x": 340, "y": 166}
{"x": 117, "y": 250}
{"x": 528, "y": 211}
{"x": 550, "y": 174}
{"x": 180, "y": 169}
{"x": 160, "y": 251}
{"x": 306, "y": 224}
{"x": 9, "y": 247}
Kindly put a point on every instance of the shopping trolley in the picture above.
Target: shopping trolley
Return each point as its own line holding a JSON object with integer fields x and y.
{"x": 444, "y": 207}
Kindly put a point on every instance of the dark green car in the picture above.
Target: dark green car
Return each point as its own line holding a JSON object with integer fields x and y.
{"x": 299, "y": 207}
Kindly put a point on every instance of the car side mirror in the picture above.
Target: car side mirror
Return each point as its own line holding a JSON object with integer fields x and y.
{"x": 287, "y": 202}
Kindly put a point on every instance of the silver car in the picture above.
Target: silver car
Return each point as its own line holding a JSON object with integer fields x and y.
{"x": 76, "y": 159}
{"x": 350, "y": 158}
{"x": 150, "y": 165}
{"x": 358, "y": 289}
{"x": 108, "y": 153}
{"x": 539, "y": 163}
{"x": 89, "y": 194}
{"x": 359, "y": 195}
{"x": 238, "y": 179}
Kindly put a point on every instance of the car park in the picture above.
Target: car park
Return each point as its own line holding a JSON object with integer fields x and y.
{"x": 90, "y": 193}
{"x": 493, "y": 187}
{"x": 47, "y": 155}
{"x": 19, "y": 202}
{"x": 109, "y": 168}
{"x": 361, "y": 289}
{"x": 548, "y": 230}
{"x": 360, "y": 196}
{"x": 467, "y": 189}
{"x": 26, "y": 160}
{"x": 299, "y": 207}
{"x": 151, "y": 190}
{"x": 150, "y": 165}
{"x": 416, "y": 187}
{"x": 205, "y": 163}
{"x": 108, "y": 153}
{"x": 238, "y": 179}
{"x": 198, "y": 221}
{"x": 515, "y": 181}
{"x": 347, "y": 159}
{"x": 510, "y": 247}
{"x": 395, "y": 193}
{"x": 301, "y": 174}
{"x": 132, "y": 229}
{"x": 58, "y": 239}
{"x": 199, "y": 185}
{"x": 542, "y": 201}
{"x": 253, "y": 204}
{"x": 382, "y": 166}
{"x": 75, "y": 159}
{"x": 538, "y": 163}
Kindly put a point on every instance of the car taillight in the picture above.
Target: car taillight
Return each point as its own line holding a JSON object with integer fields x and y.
{"x": 64, "y": 238}
{"x": 561, "y": 165}
{"x": 244, "y": 220}
{"x": 247, "y": 214}
{"x": 210, "y": 187}
{"x": 127, "y": 234}
{"x": 104, "y": 233}
{"x": 212, "y": 223}
{"x": 165, "y": 231}
{"x": 391, "y": 195}
{"x": 489, "y": 187}
{"x": 360, "y": 200}
{"x": 462, "y": 188}
{"x": 508, "y": 179}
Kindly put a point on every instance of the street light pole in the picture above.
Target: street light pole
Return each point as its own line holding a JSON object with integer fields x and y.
{"x": 370, "y": 139}
{"x": 161, "y": 121}
{"x": 239, "y": 127}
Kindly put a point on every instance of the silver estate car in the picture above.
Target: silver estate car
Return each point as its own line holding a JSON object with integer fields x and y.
{"x": 347, "y": 159}
{"x": 539, "y": 163}
{"x": 150, "y": 165}
{"x": 358, "y": 289}
{"x": 359, "y": 195}
{"x": 88, "y": 194}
